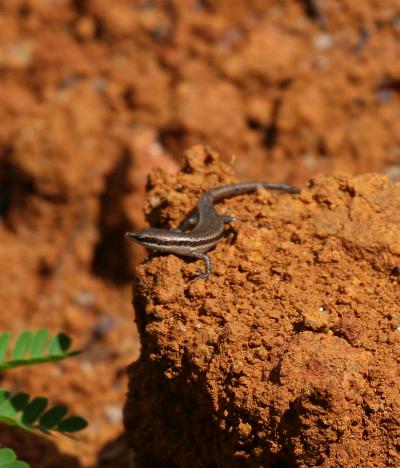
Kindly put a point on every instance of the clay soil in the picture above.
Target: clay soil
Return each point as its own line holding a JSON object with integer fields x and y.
{"x": 289, "y": 354}
{"x": 95, "y": 93}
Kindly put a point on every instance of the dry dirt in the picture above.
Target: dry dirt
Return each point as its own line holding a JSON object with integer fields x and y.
{"x": 288, "y": 355}
{"x": 94, "y": 93}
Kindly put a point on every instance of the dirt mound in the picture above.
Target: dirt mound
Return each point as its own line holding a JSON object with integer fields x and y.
{"x": 95, "y": 93}
{"x": 288, "y": 354}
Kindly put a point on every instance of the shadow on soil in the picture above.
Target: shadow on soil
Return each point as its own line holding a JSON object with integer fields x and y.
{"x": 37, "y": 451}
{"x": 116, "y": 453}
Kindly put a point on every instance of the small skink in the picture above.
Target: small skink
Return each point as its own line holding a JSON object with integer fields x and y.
{"x": 207, "y": 225}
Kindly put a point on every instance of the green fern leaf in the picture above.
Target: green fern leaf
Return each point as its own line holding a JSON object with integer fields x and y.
{"x": 22, "y": 345}
{"x": 35, "y": 348}
{"x": 59, "y": 344}
{"x": 8, "y": 459}
{"x": 33, "y": 410}
{"x": 4, "y": 394}
{"x": 32, "y": 415}
{"x": 39, "y": 342}
{"x": 8, "y": 421}
{"x": 11, "y": 406}
{"x": 16, "y": 410}
{"x": 72, "y": 424}
{"x": 52, "y": 417}
{"x": 15, "y": 464}
{"x": 7, "y": 455}
{"x": 4, "y": 340}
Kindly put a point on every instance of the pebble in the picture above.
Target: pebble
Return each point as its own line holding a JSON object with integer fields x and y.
{"x": 323, "y": 41}
{"x": 113, "y": 413}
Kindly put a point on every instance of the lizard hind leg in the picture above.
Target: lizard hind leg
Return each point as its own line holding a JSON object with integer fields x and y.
{"x": 189, "y": 222}
{"x": 207, "y": 263}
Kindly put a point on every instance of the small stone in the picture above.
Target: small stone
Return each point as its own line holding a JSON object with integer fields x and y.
{"x": 113, "y": 413}
{"x": 316, "y": 320}
{"x": 236, "y": 367}
{"x": 85, "y": 298}
{"x": 323, "y": 41}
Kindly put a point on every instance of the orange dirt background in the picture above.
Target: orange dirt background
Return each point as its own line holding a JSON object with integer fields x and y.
{"x": 94, "y": 93}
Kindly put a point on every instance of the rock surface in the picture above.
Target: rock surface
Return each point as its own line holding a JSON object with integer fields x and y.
{"x": 288, "y": 355}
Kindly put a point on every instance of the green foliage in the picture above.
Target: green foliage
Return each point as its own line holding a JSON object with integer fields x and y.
{"x": 19, "y": 409}
{"x": 8, "y": 459}
{"x": 33, "y": 348}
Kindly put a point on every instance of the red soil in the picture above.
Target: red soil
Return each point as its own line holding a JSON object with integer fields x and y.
{"x": 95, "y": 93}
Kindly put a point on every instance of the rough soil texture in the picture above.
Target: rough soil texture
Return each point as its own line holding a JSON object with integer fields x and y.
{"x": 94, "y": 93}
{"x": 289, "y": 354}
